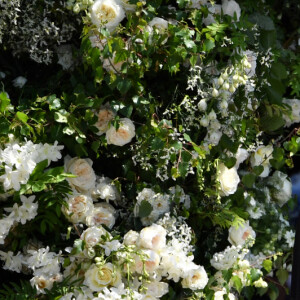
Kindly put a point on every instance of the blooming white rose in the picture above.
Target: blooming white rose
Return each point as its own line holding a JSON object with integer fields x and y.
{"x": 281, "y": 187}
{"x": 78, "y": 208}
{"x": 228, "y": 178}
{"x": 241, "y": 155}
{"x": 294, "y": 115}
{"x": 159, "y": 23}
{"x": 238, "y": 236}
{"x": 230, "y": 7}
{"x": 108, "y": 13}
{"x": 96, "y": 278}
{"x": 157, "y": 289}
{"x": 82, "y": 168}
{"x": 261, "y": 157}
{"x": 106, "y": 190}
{"x": 101, "y": 215}
{"x": 197, "y": 3}
{"x": 151, "y": 262}
{"x": 92, "y": 236}
{"x": 197, "y": 279}
{"x": 152, "y": 237}
{"x": 123, "y": 135}
{"x": 131, "y": 237}
{"x": 104, "y": 115}
{"x": 219, "y": 295}
{"x": 19, "y": 82}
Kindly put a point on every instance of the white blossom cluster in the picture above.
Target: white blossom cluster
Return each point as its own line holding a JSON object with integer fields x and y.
{"x": 18, "y": 161}
{"x": 18, "y": 214}
{"x": 28, "y": 27}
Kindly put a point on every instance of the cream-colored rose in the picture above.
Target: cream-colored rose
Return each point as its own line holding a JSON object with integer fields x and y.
{"x": 78, "y": 208}
{"x": 157, "y": 289}
{"x": 228, "y": 178}
{"x": 108, "y": 13}
{"x": 92, "y": 236}
{"x": 238, "y": 236}
{"x": 106, "y": 190}
{"x": 123, "y": 135}
{"x": 197, "y": 279}
{"x": 127, "y": 6}
{"x": 131, "y": 237}
{"x": 293, "y": 116}
{"x": 261, "y": 157}
{"x": 152, "y": 237}
{"x": 104, "y": 115}
{"x": 151, "y": 262}
{"x": 82, "y": 168}
{"x": 160, "y": 24}
{"x": 97, "y": 278}
{"x": 101, "y": 216}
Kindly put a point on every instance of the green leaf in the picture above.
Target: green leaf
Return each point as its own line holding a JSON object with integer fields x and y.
{"x": 61, "y": 116}
{"x": 271, "y": 123}
{"x": 267, "y": 264}
{"x": 123, "y": 85}
{"x": 262, "y": 21}
{"x": 78, "y": 247}
{"x": 255, "y": 274}
{"x": 145, "y": 209}
{"x": 258, "y": 170}
{"x": 22, "y": 117}
{"x": 227, "y": 274}
{"x": 282, "y": 275}
{"x": 237, "y": 283}
{"x": 208, "y": 45}
{"x": 249, "y": 180}
{"x": 39, "y": 168}
{"x": 54, "y": 103}
{"x": 4, "y": 101}
{"x": 279, "y": 71}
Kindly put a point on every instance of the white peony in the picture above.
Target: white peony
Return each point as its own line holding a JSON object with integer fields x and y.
{"x": 19, "y": 82}
{"x": 238, "y": 236}
{"x": 230, "y": 7}
{"x": 108, "y": 13}
{"x": 123, "y": 135}
{"x": 197, "y": 279}
{"x": 152, "y": 237}
{"x": 104, "y": 115}
{"x": 82, "y": 168}
{"x": 77, "y": 208}
{"x": 228, "y": 178}
{"x": 261, "y": 157}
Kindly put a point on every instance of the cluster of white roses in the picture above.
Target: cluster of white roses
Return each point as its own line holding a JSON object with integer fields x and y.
{"x": 18, "y": 161}
{"x": 79, "y": 207}
{"x": 116, "y": 136}
{"x": 154, "y": 252}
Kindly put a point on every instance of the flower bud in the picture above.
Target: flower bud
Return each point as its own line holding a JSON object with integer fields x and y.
{"x": 204, "y": 122}
{"x": 226, "y": 86}
{"x": 202, "y": 105}
{"x": 215, "y": 93}
{"x": 220, "y": 80}
{"x": 232, "y": 89}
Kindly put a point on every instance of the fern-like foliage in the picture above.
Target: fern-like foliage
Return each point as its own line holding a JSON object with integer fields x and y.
{"x": 13, "y": 291}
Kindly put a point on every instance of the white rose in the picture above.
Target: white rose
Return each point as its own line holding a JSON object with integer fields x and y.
{"x": 78, "y": 208}
{"x": 230, "y": 7}
{"x": 241, "y": 155}
{"x": 281, "y": 188}
{"x": 228, "y": 178}
{"x": 293, "y": 116}
{"x": 157, "y": 289}
{"x": 152, "y": 237}
{"x": 238, "y": 236}
{"x": 104, "y": 115}
{"x": 197, "y": 279}
{"x": 123, "y": 135}
{"x": 159, "y": 23}
{"x": 262, "y": 157}
{"x": 19, "y": 82}
{"x": 131, "y": 237}
{"x": 219, "y": 295}
{"x": 82, "y": 168}
{"x": 97, "y": 278}
{"x": 108, "y": 13}
{"x": 106, "y": 190}
{"x": 101, "y": 216}
{"x": 151, "y": 262}
{"x": 92, "y": 236}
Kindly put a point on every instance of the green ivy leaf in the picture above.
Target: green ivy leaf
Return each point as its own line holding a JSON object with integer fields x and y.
{"x": 267, "y": 264}
{"x": 145, "y": 209}
{"x": 237, "y": 283}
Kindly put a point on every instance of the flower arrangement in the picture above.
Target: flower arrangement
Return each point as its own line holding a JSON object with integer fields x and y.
{"x": 153, "y": 159}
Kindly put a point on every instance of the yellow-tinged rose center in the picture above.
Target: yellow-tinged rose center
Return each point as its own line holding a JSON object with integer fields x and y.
{"x": 106, "y": 13}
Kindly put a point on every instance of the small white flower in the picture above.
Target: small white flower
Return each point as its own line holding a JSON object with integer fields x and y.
{"x": 123, "y": 135}
{"x": 107, "y": 13}
{"x": 19, "y": 82}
